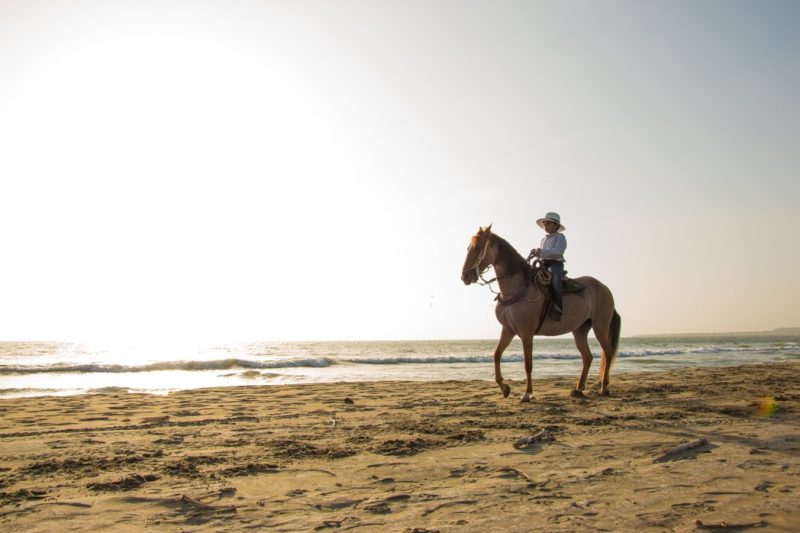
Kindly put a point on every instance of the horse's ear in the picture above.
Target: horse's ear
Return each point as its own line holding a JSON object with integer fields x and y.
{"x": 489, "y": 228}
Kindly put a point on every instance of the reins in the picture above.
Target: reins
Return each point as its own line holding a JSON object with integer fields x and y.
{"x": 542, "y": 278}
{"x": 533, "y": 272}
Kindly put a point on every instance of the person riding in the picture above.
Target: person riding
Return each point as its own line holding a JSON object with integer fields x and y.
{"x": 551, "y": 252}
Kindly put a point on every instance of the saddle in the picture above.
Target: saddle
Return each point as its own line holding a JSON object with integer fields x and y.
{"x": 570, "y": 285}
{"x": 539, "y": 275}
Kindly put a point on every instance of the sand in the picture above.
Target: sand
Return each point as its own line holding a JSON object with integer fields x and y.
{"x": 433, "y": 456}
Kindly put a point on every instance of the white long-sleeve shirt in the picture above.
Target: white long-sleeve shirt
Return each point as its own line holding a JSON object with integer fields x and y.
{"x": 553, "y": 247}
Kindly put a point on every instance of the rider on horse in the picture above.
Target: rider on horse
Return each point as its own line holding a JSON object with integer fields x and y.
{"x": 551, "y": 253}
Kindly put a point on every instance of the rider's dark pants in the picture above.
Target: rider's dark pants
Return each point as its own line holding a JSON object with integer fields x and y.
{"x": 556, "y": 269}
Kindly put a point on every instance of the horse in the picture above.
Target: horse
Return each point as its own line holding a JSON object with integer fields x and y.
{"x": 522, "y": 310}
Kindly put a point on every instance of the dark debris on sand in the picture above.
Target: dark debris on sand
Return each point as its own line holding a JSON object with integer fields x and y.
{"x": 52, "y": 466}
{"x": 127, "y": 483}
{"x": 187, "y": 466}
{"x": 250, "y": 469}
{"x": 301, "y": 449}
{"x": 402, "y": 447}
{"x": 21, "y": 495}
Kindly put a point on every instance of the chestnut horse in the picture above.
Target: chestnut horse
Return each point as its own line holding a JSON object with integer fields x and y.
{"x": 521, "y": 310}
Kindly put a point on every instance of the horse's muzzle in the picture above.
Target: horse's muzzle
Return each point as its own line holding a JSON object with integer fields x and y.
{"x": 469, "y": 277}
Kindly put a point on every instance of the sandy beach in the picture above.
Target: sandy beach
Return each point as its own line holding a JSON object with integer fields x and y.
{"x": 686, "y": 450}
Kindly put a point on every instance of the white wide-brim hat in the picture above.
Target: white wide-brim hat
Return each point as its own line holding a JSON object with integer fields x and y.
{"x": 553, "y": 217}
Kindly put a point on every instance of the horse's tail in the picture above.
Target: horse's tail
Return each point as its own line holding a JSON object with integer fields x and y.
{"x": 613, "y": 333}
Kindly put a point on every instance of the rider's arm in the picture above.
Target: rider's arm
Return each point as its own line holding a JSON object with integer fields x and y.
{"x": 554, "y": 247}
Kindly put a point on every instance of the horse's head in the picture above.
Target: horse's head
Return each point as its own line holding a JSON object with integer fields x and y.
{"x": 479, "y": 255}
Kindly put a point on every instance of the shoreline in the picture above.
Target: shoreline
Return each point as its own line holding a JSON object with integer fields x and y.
{"x": 35, "y": 370}
{"x": 398, "y": 455}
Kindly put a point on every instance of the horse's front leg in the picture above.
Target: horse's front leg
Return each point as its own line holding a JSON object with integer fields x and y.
{"x": 505, "y": 339}
{"x": 527, "y": 350}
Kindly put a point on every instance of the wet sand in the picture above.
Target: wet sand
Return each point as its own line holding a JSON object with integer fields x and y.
{"x": 397, "y": 456}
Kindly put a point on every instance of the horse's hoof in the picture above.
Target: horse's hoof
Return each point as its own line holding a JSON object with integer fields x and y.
{"x": 577, "y": 393}
{"x": 605, "y": 392}
{"x": 525, "y": 398}
{"x": 506, "y": 390}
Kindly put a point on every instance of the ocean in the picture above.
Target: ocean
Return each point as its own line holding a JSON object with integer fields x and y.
{"x": 52, "y": 368}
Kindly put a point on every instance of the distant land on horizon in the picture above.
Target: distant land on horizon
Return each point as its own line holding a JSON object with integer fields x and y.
{"x": 777, "y": 332}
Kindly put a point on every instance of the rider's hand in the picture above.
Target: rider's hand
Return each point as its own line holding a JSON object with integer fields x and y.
{"x": 537, "y": 252}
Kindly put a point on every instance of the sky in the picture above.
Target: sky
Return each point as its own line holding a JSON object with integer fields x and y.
{"x": 313, "y": 170}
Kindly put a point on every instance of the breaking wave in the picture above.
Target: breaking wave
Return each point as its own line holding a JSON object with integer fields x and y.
{"x": 516, "y": 357}
{"x": 217, "y": 364}
{"x": 645, "y": 355}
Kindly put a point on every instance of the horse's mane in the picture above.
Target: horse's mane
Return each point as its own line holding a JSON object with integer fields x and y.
{"x": 508, "y": 255}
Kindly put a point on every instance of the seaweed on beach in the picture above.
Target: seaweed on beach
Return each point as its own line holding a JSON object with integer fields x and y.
{"x": 21, "y": 495}
{"x": 131, "y": 482}
{"x": 249, "y": 469}
{"x": 403, "y": 447}
{"x": 52, "y": 466}
{"x": 302, "y": 449}
{"x": 469, "y": 435}
{"x": 187, "y": 466}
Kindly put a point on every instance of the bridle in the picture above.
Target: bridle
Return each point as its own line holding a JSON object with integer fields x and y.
{"x": 488, "y": 283}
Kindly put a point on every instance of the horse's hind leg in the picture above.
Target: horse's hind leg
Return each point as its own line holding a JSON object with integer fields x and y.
{"x": 582, "y": 342}
{"x": 605, "y": 363}
{"x": 505, "y": 339}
